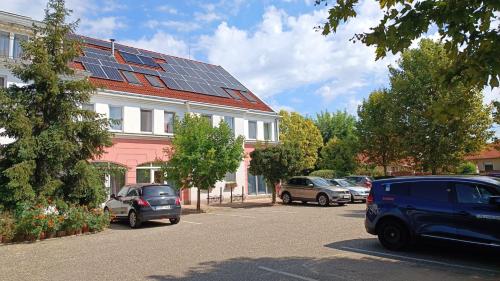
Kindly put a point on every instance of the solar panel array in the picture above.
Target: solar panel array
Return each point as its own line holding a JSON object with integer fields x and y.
{"x": 177, "y": 73}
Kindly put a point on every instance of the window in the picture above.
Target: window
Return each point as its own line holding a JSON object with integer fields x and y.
{"x": 437, "y": 191}
{"x": 88, "y": 106}
{"x": 123, "y": 191}
{"x": 208, "y": 117}
{"x": 252, "y": 130}
{"x": 401, "y": 189}
{"x": 146, "y": 120}
{"x": 149, "y": 173}
{"x": 133, "y": 192}
{"x": 4, "y": 44}
{"x": 131, "y": 78}
{"x": 230, "y": 122}
{"x": 474, "y": 194}
{"x": 143, "y": 176}
{"x": 116, "y": 117}
{"x": 267, "y": 131}
{"x": 157, "y": 190}
{"x": 230, "y": 177}
{"x": 488, "y": 167}
{"x": 18, "y": 50}
{"x": 154, "y": 81}
{"x": 168, "y": 122}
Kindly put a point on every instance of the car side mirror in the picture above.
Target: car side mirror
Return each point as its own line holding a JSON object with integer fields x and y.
{"x": 113, "y": 196}
{"x": 310, "y": 185}
{"x": 495, "y": 200}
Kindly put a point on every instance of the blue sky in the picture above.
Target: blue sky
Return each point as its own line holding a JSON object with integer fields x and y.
{"x": 270, "y": 46}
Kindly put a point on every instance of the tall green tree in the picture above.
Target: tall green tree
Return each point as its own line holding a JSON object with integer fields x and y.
{"x": 439, "y": 121}
{"x": 379, "y": 138}
{"x": 202, "y": 154}
{"x": 54, "y": 137}
{"x": 339, "y": 155}
{"x": 339, "y": 124}
{"x": 275, "y": 164}
{"x": 300, "y": 133}
{"x": 469, "y": 30}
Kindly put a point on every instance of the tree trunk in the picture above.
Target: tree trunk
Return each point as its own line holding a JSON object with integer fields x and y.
{"x": 198, "y": 203}
{"x": 385, "y": 170}
{"x": 434, "y": 170}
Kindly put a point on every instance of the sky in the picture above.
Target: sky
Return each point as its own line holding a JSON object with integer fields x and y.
{"x": 269, "y": 46}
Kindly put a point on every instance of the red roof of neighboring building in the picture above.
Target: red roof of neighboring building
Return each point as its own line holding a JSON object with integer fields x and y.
{"x": 490, "y": 152}
{"x": 147, "y": 89}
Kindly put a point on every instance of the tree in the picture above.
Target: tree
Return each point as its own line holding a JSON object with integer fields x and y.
{"x": 339, "y": 124}
{"x": 54, "y": 137}
{"x": 439, "y": 121}
{"x": 276, "y": 164}
{"x": 377, "y": 131}
{"x": 339, "y": 155}
{"x": 301, "y": 133}
{"x": 469, "y": 30}
{"x": 201, "y": 154}
{"x": 467, "y": 168}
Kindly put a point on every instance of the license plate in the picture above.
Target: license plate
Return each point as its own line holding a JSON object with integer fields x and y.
{"x": 347, "y": 196}
{"x": 167, "y": 207}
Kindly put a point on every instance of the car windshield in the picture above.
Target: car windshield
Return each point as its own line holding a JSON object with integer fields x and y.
{"x": 320, "y": 182}
{"x": 344, "y": 183}
{"x": 157, "y": 190}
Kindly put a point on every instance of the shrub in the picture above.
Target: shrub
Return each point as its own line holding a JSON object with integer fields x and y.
{"x": 467, "y": 168}
{"x": 7, "y": 226}
{"x": 74, "y": 218}
{"x": 327, "y": 174}
{"x": 97, "y": 220}
{"x": 30, "y": 222}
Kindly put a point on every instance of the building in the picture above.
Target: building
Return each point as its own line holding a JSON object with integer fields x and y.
{"x": 487, "y": 161}
{"x": 141, "y": 91}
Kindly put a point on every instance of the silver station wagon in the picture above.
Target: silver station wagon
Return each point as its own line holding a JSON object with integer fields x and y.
{"x": 313, "y": 189}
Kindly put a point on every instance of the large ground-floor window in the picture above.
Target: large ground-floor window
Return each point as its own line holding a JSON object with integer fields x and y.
{"x": 149, "y": 173}
{"x": 256, "y": 185}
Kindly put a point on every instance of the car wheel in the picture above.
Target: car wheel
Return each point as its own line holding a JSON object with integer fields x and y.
{"x": 133, "y": 220}
{"x": 323, "y": 200}
{"x": 393, "y": 235}
{"x": 175, "y": 220}
{"x": 304, "y": 202}
{"x": 286, "y": 198}
{"x": 352, "y": 198}
{"x": 341, "y": 204}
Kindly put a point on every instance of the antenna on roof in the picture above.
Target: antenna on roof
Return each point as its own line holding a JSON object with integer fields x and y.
{"x": 112, "y": 47}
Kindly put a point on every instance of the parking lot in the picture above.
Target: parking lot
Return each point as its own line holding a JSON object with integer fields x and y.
{"x": 245, "y": 242}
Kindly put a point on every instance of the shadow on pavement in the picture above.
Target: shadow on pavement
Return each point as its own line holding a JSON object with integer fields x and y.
{"x": 354, "y": 214}
{"x": 428, "y": 253}
{"x": 338, "y": 267}
{"x": 123, "y": 225}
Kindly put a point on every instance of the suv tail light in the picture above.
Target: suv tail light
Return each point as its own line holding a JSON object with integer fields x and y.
{"x": 143, "y": 203}
{"x": 177, "y": 201}
{"x": 369, "y": 199}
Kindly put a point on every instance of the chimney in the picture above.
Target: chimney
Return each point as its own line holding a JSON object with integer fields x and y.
{"x": 112, "y": 47}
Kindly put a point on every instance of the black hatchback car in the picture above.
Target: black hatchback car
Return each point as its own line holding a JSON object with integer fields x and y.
{"x": 142, "y": 202}
{"x": 452, "y": 208}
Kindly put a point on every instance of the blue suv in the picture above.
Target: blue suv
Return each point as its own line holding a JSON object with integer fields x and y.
{"x": 454, "y": 208}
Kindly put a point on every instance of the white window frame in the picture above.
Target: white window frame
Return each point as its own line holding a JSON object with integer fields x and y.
{"x": 152, "y": 120}
{"x": 248, "y": 129}
{"x": 123, "y": 117}
{"x": 269, "y": 131}
{"x": 173, "y": 120}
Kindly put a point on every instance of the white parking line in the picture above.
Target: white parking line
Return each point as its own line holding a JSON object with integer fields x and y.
{"x": 286, "y": 274}
{"x": 239, "y": 216}
{"x": 422, "y": 260}
{"x": 192, "y": 222}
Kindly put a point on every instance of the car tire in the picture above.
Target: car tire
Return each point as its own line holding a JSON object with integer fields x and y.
{"x": 175, "y": 220}
{"x": 323, "y": 200}
{"x": 133, "y": 220}
{"x": 286, "y": 198}
{"x": 393, "y": 235}
{"x": 341, "y": 204}
{"x": 304, "y": 202}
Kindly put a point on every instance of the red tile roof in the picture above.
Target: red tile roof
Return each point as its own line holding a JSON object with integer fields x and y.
{"x": 147, "y": 89}
{"x": 490, "y": 152}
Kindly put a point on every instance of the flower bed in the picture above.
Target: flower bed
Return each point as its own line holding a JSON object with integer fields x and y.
{"x": 31, "y": 223}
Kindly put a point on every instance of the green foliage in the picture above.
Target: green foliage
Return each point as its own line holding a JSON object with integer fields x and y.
{"x": 54, "y": 137}
{"x": 97, "y": 220}
{"x": 7, "y": 226}
{"x": 327, "y": 174}
{"x": 379, "y": 138}
{"x": 468, "y": 29}
{"x": 339, "y": 155}
{"x": 340, "y": 125}
{"x": 467, "y": 168}
{"x": 276, "y": 163}
{"x": 202, "y": 154}
{"x": 439, "y": 122}
{"x": 301, "y": 133}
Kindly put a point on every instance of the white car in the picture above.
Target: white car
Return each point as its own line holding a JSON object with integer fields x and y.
{"x": 357, "y": 192}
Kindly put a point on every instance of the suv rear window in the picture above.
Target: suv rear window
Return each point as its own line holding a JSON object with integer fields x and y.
{"x": 401, "y": 189}
{"x": 157, "y": 190}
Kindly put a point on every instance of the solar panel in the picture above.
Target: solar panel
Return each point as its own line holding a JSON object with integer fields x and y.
{"x": 131, "y": 78}
{"x": 144, "y": 70}
{"x": 95, "y": 70}
{"x": 117, "y": 65}
{"x": 130, "y": 58}
{"x": 248, "y": 96}
{"x": 99, "y": 56}
{"x": 127, "y": 49}
{"x": 87, "y": 60}
{"x": 184, "y": 85}
{"x": 112, "y": 73}
{"x": 155, "y": 81}
{"x": 96, "y": 42}
{"x": 148, "y": 61}
{"x": 232, "y": 94}
{"x": 151, "y": 54}
{"x": 171, "y": 83}
{"x": 180, "y": 70}
{"x": 97, "y": 51}
{"x": 167, "y": 67}
{"x": 182, "y": 62}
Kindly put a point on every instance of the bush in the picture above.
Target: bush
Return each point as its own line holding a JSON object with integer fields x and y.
{"x": 327, "y": 174}
{"x": 74, "y": 219}
{"x": 7, "y": 226}
{"x": 30, "y": 222}
{"x": 467, "y": 168}
{"x": 97, "y": 220}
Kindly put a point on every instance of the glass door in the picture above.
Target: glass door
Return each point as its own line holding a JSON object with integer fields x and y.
{"x": 252, "y": 185}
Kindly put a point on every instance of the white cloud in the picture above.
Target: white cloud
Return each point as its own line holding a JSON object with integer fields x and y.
{"x": 285, "y": 52}
{"x": 167, "y": 9}
{"x": 206, "y": 17}
{"x": 160, "y": 42}
{"x": 180, "y": 26}
{"x": 101, "y": 28}
{"x": 491, "y": 95}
